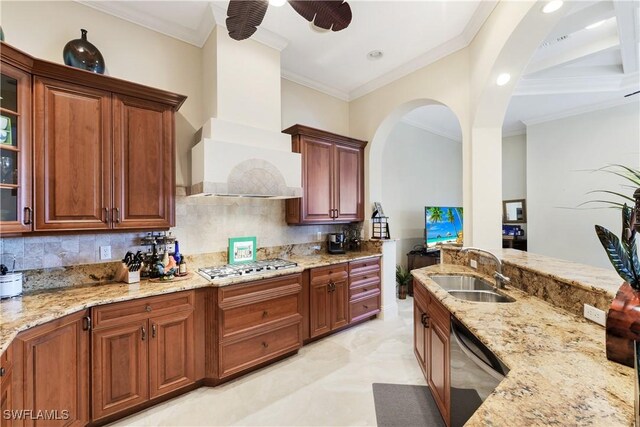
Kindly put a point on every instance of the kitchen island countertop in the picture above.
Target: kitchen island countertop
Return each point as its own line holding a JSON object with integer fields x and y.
{"x": 32, "y": 309}
{"x": 559, "y": 373}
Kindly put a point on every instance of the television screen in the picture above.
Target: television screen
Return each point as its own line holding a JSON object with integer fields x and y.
{"x": 443, "y": 224}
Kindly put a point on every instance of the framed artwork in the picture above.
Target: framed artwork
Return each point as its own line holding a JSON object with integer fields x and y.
{"x": 377, "y": 209}
{"x": 242, "y": 249}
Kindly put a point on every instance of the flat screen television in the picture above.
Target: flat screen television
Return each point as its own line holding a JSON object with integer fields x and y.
{"x": 443, "y": 224}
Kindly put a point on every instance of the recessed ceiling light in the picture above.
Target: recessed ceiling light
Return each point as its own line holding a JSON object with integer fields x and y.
{"x": 595, "y": 25}
{"x": 375, "y": 54}
{"x": 503, "y": 79}
{"x": 552, "y": 6}
{"x": 277, "y": 3}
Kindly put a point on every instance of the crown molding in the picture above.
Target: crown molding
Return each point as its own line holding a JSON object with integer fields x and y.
{"x": 582, "y": 110}
{"x": 585, "y": 84}
{"x": 480, "y": 15}
{"x": 507, "y": 133}
{"x": 312, "y": 84}
{"x": 264, "y": 36}
{"x": 425, "y": 127}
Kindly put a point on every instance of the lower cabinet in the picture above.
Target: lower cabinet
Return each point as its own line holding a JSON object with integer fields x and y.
{"x": 432, "y": 327}
{"x": 329, "y": 299}
{"x": 142, "y": 349}
{"x": 258, "y": 322}
{"x": 51, "y": 373}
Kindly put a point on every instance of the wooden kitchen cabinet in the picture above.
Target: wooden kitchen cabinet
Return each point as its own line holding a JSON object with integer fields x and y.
{"x": 329, "y": 299}
{"x": 103, "y": 150}
{"x": 257, "y": 322}
{"x": 141, "y": 349}
{"x": 364, "y": 289}
{"x": 72, "y": 156}
{"x": 51, "y": 371}
{"x": 16, "y": 203}
{"x": 432, "y": 325}
{"x": 6, "y": 386}
{"x": 332, "y": 178}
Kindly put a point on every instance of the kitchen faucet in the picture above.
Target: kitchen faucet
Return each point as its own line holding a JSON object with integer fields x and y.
{"x": 501, "y": 279}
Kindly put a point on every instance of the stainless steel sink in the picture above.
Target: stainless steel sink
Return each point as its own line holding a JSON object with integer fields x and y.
{"x": 481, "y": 296}
{"x": 470, "y": 288}
{"x": 462, "y": 283}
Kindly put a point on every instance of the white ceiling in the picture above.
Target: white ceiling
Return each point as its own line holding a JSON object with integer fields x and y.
{"x": 573, "y": 71}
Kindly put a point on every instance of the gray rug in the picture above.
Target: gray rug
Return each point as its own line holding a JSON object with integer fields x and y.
{"x": 412, "y": 405}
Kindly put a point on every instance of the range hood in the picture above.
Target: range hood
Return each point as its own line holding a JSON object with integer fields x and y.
{"x": 242, "y": 161}
{"x": 242, "y": 151}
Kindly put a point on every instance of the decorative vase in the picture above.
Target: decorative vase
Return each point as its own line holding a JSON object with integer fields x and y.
{"x": 402, "y": 291}
{"x": 623, "y": 325}
{"x": 79, "y": 53}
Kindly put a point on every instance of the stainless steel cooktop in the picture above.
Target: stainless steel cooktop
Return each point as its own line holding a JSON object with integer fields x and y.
{"x": 245, "y": 269}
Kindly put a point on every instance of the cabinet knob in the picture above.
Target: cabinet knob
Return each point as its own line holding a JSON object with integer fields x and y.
{"x": 365, "y": 307}
{"x": 364, "y": 289}
{"x": 265, "y": 345}
{"x": 148, "y": 308}
{"x": 265, "y": 313}
{"x": 2, "y": 372}
{"x": 365, "y": 278}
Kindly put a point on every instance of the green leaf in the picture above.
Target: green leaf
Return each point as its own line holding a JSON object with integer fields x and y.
{"x": 617, "y": 255}
{"x": 624, "y": 196}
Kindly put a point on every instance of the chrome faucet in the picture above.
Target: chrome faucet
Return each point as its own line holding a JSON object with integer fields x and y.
{"x": 501, "y": 279}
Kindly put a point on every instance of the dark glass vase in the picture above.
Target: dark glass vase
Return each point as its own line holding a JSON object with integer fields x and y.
{"x": 79, "y": 53}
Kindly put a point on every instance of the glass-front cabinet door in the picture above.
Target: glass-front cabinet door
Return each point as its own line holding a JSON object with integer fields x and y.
{"x": 16, "y": 213}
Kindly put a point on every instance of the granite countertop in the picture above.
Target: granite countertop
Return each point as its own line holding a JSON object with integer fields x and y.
{"x": 29, "y": 310}
{"x": 559, "y": 373}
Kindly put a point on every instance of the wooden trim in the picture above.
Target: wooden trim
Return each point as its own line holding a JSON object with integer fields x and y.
{"x": 328, "y": 136}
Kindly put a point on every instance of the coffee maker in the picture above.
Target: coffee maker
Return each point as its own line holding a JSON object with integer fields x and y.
{"x": 335, "y": 243}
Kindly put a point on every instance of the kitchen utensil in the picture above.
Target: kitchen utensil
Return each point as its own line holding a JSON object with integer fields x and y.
{"x": 10, "y": 281}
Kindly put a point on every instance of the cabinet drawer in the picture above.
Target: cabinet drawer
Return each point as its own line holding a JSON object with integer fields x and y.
{"x": 364, "y": 278}
{"x": 245, "y": 293}
{"x": 364, "y": 265}
{"x": 251, "y": 316}
{"x": 356, "y": 292}
{"x": 420, "y": 294}
{"x": 243, "y": 354}
{"x": 439, "y": 314}
{"x": 125, "y": 312}
{"x": 329, "y": 273}
{"x": 364, "y": 308}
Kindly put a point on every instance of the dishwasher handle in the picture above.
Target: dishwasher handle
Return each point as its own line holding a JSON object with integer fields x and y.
{"x": 468, "y": 351}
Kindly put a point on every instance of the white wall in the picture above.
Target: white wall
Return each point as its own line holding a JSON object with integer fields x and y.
{"x": 305, "y": 106}
{"x": 560, "y": 154}
{"x": 514, "y": 167}
{"x": 419, "y": 169}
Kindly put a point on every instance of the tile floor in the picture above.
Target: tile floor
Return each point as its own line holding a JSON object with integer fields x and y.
{"x": 328, "y": 383}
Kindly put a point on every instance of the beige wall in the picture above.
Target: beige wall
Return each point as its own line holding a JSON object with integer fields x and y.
{"x": 305, "y": 106}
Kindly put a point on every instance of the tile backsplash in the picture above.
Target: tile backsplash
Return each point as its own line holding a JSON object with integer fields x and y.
{"x": 203, "y": 225}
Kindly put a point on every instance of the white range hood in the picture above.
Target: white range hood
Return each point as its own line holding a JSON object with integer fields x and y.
{"x": 242, "y": 151}
{"x": 244, "y": 161}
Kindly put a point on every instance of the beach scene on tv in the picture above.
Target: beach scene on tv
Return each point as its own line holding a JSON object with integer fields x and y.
{"x": 443, "y": 225}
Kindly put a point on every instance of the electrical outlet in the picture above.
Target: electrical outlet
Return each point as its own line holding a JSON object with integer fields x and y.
{"x": 473, "y": 263}
{"x": 105, "y": 252}
{"x": 318, "y": 236}
{"x": 595, "y": 315}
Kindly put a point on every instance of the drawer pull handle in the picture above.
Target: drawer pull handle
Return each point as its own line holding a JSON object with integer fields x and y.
{"x": 144, "y": 333}
{"x": 265, "y": 345}
{"x": 154, "y": 330}
{"x": 265, "y": 313}
{"x": 2, "y": 372}
{"x": 86, "y": 323}
{"x": 148, "y": 308}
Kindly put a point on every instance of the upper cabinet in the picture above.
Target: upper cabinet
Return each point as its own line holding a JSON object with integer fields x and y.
{"x": 332, "y": 178}
{"x": 103, "y": 150}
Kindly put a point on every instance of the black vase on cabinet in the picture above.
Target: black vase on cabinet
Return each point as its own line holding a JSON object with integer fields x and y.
{"x": 79, "y": 53}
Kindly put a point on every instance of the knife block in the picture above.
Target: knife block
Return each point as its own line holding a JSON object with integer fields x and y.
{"x": 124, "y": 275}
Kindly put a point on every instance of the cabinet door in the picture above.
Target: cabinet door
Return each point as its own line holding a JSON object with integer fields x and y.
{"x": 72, "y": 156}
{"x": 120, "y": 368}
{"x": 144, "y": 169}
{"x": 320, "y": 309}
{"x": 340, "y": 304}
{"x": 420, "y": 336}
{"x": 349, "y": 200}
{"x": 171, "y": 353}
{"x": 438, "y": 363}
{"x": 16, "y": 205}
{"x": 317, "y": 181}
{"x": 55, "y": 364}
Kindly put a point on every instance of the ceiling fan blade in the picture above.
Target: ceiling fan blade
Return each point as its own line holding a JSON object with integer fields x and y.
{"x": 244, "y": 16}
{"x": 328, "y": 14}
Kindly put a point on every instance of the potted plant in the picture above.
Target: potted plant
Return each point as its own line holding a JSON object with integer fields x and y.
{"x": 623, "y": 317}
{"x": 403, "y": 278}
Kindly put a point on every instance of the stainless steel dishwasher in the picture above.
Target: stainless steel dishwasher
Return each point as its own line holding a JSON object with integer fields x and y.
{"x": 475, "y": 373}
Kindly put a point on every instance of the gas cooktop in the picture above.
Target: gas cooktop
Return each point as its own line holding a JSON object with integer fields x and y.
{"x": 246, "y": 269}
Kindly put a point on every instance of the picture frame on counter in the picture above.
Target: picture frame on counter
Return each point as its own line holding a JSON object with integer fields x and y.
{"x": 242, "y": 249}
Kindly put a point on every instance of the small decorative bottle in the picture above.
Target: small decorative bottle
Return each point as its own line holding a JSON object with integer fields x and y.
{"x": 182, "y": 267}
{"x": 177, "y": 255}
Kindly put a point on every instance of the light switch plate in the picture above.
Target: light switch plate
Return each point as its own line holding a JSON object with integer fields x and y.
{"x": 595, "y": 315}
{"x": 473, "y": 263}
{"x": 105, "y": 252}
